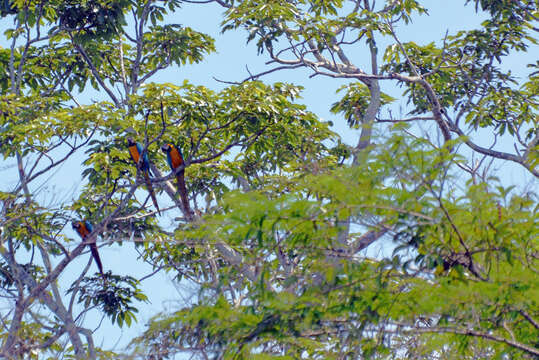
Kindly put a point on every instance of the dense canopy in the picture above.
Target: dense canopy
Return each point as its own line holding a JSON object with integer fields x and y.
{"x": 288, "y": 241}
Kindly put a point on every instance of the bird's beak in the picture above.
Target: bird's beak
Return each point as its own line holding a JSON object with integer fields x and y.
{"x": 164, "y": 148}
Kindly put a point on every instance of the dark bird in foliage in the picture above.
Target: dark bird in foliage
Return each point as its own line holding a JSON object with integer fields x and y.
{"x": 175, "y": 161}
{"x": 84, "y": 228}
{"x": 135, "y": 149}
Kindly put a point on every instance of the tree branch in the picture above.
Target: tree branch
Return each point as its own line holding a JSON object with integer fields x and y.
{"x": 95, "y": 73}
{"x": 443, "y": 330}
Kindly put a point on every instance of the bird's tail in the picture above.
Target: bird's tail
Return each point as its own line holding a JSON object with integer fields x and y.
{"x": 150, "y": 190}
{"x": 95, "y": 255}
{"x": 183, "y": 194}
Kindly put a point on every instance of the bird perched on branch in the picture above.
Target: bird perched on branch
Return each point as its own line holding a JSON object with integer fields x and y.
{"x": 84, "y": 228}
{"x": 175, "y": 161}
{"x": 135, "y": 149}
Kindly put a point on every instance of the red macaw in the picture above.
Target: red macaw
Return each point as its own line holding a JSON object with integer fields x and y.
{"x": 175, "y": 160}
{"x": 84, "y": 228}
{"x": 135, "y": 149}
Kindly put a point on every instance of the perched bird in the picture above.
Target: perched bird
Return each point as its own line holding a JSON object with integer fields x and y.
{"x": 135, "y": 149}
{"x": 84, "y": 228}
{"x": 175, "y": 160}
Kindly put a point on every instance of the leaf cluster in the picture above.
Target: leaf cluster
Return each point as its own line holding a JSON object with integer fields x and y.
{"x": 111, "y": 295}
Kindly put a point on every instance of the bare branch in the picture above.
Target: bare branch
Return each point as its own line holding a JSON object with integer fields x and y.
{"x": 526, "y": 348}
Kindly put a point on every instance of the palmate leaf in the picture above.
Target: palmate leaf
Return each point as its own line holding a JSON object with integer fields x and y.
{"x": 109, "y": 294}
{"x": 176, "y": 44}
{"x": 355, "y": 102}
{"x": 101, "y": 19}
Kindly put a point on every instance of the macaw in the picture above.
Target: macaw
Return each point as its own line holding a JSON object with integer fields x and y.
{"x": 84, "y": 228}
{"x": 135, "y": 149}
{"x": 175, "y": 160}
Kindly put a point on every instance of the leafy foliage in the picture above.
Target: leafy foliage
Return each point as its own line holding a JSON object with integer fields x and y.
{"x": 355, "y": 102}
{"x": 107, "y": 293}
{"x": 310, "y": 292}
{"x": 93, "y": 19}
{"x": 298, "y": 245}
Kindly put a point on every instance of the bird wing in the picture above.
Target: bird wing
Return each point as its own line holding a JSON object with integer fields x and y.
{"x": 145, "y": 158}
{"x": 88, "y": 226}
{"x": 169, "y": 160}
